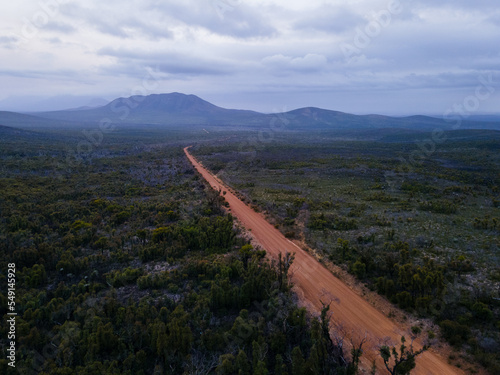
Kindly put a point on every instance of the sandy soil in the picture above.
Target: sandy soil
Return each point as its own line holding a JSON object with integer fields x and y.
{"x": 313, "y": 282}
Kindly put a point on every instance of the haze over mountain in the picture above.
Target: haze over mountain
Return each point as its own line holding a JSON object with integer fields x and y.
{"x": 30, "y": 104}
{"x": 181, "y": 109}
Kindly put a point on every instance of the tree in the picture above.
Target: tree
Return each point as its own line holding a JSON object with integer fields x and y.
{"x": 226, "y": 365}
{"x": 404, "y": 361}
{"x": 343, "y": 247}
{"x": 260, "y": 369}
{"x": 101, "y": 244}
{"x": 298, "y": 362}
{"x": 284, "y": 264}
{"x": 356, "y": 353}
{"x": 359, "y": 269}
{"x": 280, "y": 368}
{"x": 242, "y": 363}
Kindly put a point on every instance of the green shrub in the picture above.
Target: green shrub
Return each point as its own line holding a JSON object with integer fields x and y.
{"x": 455, "y": 333}
{"x": 323, "y": 221}
{"x": 482, "y": 312}
{"x": 439, "y": 207}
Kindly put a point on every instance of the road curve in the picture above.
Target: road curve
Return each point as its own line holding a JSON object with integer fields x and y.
{"x": 314, "y": 282}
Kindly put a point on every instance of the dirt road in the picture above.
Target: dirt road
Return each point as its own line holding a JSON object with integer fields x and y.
{"x": 314, "y": 282}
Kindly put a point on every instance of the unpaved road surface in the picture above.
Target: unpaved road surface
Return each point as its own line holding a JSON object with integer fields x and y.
{"x": 314, "y": 282}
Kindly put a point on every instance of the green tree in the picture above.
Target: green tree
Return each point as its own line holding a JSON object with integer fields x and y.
{"x": 279, "y": 367}
{"x": 242, "y": 363}
{"x": 283, "y": 266}
{"x": 298, "y": 363}
{"x": 260, "y": 369}
{"x": 359, "y": 269}
{"x": 227, "y": 365}
{"x": 402, "y": 362}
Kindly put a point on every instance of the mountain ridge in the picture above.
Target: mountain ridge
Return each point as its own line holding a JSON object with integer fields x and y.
{"x": 182, "y": 109}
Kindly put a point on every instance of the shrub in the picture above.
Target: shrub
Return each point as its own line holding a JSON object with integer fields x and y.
{"x": 323, "y": 221}
{"x": 439, "y": 207}
{"x": 119, "y": 278}
{"x": 482, "y": 312}
{"x": 455, "y": 333}
{"x": 416, "y": 330}
{"x": 120, "y": 217}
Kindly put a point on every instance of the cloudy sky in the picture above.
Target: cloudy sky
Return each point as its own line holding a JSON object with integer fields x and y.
{"x": 364, "y": 56}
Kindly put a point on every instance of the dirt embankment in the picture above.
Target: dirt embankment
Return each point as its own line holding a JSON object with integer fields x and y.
{"x": 313, "y": 282}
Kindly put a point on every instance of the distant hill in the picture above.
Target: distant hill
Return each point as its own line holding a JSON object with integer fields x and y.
{"x": 189, "y": 110}
{"x": 449, "y": 135}
{"x": 19, "y": 120}
{"x": 487, "y": 118}
{"x": 10, "y": 134}
{"x": 327, "y": 119}
{"x": 7, "y": 131}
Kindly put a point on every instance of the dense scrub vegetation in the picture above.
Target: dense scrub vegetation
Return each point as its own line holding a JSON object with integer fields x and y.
{"x": 424, "y": 234}
{"x": 127, "y": 263}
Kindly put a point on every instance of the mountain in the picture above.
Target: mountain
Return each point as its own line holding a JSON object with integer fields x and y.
{"x": 162, "y": 109}
{"x": 327, "y": 119}
{"x": 177, "y": 109}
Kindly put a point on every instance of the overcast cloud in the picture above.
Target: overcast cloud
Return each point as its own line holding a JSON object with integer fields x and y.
{"x": 368, "y": 56}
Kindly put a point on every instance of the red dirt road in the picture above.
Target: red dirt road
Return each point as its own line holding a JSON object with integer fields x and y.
{"x": 314, "y": 282}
